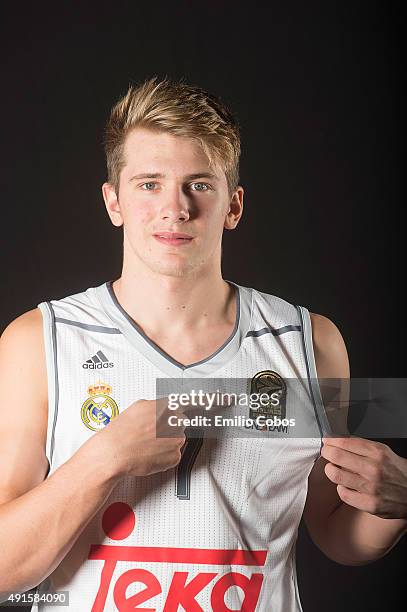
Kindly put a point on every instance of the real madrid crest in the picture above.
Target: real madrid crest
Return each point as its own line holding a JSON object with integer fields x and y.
{"x": 272, "y": 384}
{"x": 99, "y": 408}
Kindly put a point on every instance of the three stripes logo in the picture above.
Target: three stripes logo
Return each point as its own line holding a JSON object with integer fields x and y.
{"x": 97, "y": 362}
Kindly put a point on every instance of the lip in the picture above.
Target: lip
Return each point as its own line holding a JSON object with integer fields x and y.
{"x": 173, "y": 238}
{"x": 173, "y": 235}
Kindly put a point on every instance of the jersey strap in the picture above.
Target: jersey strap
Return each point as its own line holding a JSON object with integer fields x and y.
{"x": 315, "y": 391}
{"x": 50, "y": 340}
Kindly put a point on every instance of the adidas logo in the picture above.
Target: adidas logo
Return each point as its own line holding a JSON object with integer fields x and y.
{"x": 97, "y": 362}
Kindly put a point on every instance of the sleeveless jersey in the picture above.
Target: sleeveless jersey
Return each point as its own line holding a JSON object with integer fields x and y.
{"x": 218, "y": 532}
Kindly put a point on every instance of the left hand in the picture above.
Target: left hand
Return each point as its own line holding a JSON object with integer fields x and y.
{"x": 369, "y": 475}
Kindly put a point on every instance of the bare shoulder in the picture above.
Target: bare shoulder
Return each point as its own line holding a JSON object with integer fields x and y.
{"x": 22, "y": 346}
{"x": 332, "y": 362}
{"x": 22, "y": 355}
{"x": 333, "y": 370}
{"x": 29, "y": 322}
{"x": 331, "y": 356}
{"x": 24, "y": 406}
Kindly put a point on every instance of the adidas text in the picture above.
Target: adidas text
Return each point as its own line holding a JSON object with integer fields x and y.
{"x": 97, "y": 366}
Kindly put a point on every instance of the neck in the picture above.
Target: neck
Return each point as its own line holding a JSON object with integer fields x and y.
{"x": 159, "y": 303}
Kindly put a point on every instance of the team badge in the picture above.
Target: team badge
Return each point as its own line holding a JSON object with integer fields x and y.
{"x": 99, "y": 408}
{"x": 274, "y": 386}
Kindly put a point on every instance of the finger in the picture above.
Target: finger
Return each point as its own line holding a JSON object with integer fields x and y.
{"x": 165, "y": 409}
{"x": 210, "y": 401}
{"x": 350, "y": 461}
{"x": 170, "y": 423}
{"x": 170, "y": 430}
{"x": 343, "y": 477}
{"x": 359, "y": 446}
{"x": 204, "y": 403}
{"x": 361, "y": 501}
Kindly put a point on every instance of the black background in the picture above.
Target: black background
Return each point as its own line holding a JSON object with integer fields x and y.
{"x": 316, "y": 89}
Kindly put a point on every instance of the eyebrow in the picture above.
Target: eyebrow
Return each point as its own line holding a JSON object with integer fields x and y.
{"x": 188, "y": 177}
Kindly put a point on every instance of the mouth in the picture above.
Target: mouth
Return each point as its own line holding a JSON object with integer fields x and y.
{"x": 173, "y": 238}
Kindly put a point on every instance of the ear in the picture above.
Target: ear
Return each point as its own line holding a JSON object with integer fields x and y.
{"x": 235, "y": 209}
{"x": 112, "y": 204}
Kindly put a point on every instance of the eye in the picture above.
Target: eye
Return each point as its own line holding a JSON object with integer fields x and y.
{"x": 150, "y": 183}
{"x": 202, "y": 185}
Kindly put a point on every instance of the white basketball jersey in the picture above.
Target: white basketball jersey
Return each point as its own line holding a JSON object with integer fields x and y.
{"x": 218, "y": 532}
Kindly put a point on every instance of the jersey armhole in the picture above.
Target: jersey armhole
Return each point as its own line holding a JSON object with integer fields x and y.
{"x": 315, "y": 391}
{"x": 49, "y": 330}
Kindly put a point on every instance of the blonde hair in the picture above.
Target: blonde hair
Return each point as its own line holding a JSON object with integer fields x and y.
{"x": 180, "y": 109}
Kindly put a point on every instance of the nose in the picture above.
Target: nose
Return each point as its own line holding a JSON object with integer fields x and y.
{"x": 175, "y": 207}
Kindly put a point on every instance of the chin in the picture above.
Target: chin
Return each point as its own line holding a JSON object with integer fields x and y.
{"x": 174, "y": 269}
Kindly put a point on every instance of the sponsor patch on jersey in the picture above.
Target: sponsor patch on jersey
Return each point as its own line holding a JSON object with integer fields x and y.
{"x": 99, "y": 408}
{"x": 98, "y": 361}
{"x": 273, "y": 385}
{"x": 177, "y": 575}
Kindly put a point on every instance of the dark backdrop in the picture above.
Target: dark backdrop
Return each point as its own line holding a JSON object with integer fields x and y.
{"x": 315, "y": 87}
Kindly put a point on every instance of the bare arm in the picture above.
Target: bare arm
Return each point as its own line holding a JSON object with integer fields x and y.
{"x": 345, "y": 523}
{"x": 39, "y": 528}
{"x": 40, "y": 520}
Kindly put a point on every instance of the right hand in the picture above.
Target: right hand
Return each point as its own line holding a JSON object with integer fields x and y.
{"x": 130, "y": 442}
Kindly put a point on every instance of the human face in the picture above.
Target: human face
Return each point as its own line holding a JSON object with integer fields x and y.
{"x": 166, "y": 187}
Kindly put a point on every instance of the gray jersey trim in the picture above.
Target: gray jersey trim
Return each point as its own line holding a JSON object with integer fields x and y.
{"x": 157, "y": 348}
{"x": 50, "y": 340}
{"x": 276, "y": 332}
{"x": 93, "y": 328}
{"x": 153, "y": 353}
{"x": 320, "y": 413}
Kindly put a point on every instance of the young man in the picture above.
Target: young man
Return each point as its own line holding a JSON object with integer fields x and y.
{"x": 93, "y": 502}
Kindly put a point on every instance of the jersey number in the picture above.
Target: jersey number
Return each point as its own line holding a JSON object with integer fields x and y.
{"x": 189, "y": 454}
